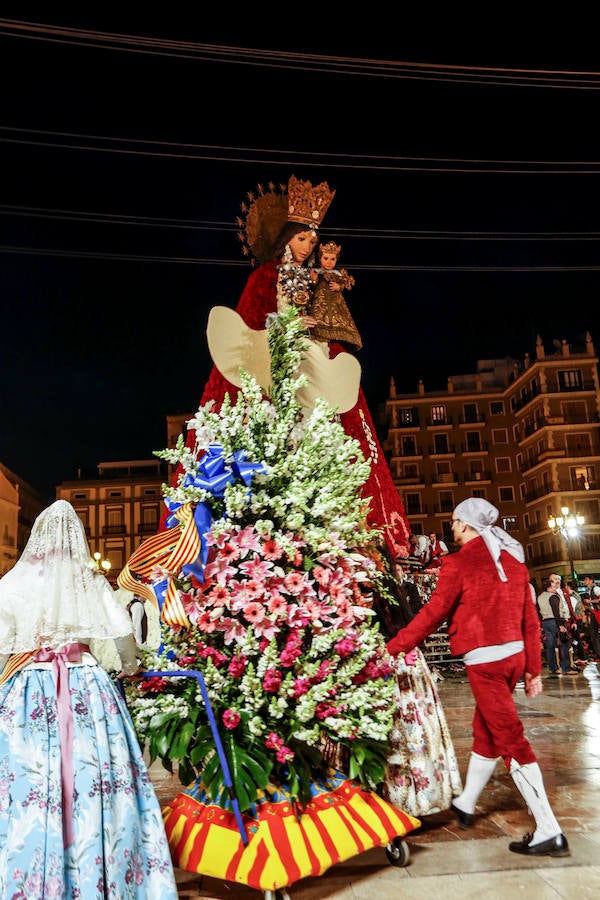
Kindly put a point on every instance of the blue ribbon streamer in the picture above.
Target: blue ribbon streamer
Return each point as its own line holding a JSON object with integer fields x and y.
{"x": 195, "y": 673}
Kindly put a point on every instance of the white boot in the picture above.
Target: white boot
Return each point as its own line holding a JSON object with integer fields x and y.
{"x": 478, "y": 774}
{"x": 530, "y": 784}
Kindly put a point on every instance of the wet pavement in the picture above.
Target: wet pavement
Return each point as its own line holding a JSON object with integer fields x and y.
{"x": 563, "y": 725}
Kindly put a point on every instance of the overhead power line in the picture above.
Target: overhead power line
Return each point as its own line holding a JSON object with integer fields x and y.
{"x": 312, "y": 62}
{"x": 67, "y": 140}
{"x": 93, "y": 217}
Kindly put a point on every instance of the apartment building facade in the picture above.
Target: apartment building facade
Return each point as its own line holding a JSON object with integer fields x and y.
{"x": 523, "y": 435}
{"x": 119, "y": 508}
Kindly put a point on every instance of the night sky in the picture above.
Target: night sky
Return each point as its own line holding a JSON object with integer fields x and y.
{"x": 466, "y": 206}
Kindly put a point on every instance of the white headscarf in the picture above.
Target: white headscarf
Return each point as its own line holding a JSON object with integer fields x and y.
{"x": 481, "y": 515}
{"x": 52, "y": 596}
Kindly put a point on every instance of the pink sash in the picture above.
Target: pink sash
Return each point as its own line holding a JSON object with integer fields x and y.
{"x": 58, "y": 658}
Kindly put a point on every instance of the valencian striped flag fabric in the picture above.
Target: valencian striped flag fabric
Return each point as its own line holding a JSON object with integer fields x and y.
{"x": 340, "y": 821}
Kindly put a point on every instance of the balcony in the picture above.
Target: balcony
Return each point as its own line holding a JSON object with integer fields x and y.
{"x": 474, "y": 448}
{"x": 442, "y": 451}
{"x": 113, "y": 529}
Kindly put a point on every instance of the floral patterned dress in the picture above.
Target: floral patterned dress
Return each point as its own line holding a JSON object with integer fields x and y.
{"x": 119, "y": 850}
{"x": 422, "y": 775}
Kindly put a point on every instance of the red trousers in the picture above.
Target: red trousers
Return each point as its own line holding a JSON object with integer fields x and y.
{"x": 497, "y": 728}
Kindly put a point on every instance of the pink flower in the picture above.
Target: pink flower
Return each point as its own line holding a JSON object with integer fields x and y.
{"x": 266, "y": 629}
{"x": 218, "y": 596}
{"x": 337, "y": 592}
{"x": 232, "y": 631}
{"x": 231, "y": 718}
{"x": 237, "y": 666}
{"x": 256, "y": 568}
{"x": 346, "y": 646}
{"x": 247, "y": 540}
{"x": 217, "y": 657}
{"x": 271, "y": 550}
{"x": 230, "y": 552}
{"x": 254, "y": 612}
{"x": 273, "y": 741}
{"x": 324, "y": 710}
{"x": 322, "y": 576}
{"x": 272, "y": 681}
{"x": 255, "y": 589}
{"x": 323, "y": 671}
{"x": 284, "y": 754}
{"x": 277, "y": 606}
{"x": 205, "y": 622}
{"x": 301, "y": 687}
{"x": 295, "y": 582}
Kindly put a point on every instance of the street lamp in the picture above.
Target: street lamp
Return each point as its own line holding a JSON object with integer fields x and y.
{"x": 101, "y": 565}
{"x": 567, "y": 525}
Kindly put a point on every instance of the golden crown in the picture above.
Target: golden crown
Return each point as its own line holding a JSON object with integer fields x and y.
{"x": 330, "y": 247}
{"x": 308, "y": 204}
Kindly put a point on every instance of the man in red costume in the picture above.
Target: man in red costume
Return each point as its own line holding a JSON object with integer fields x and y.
{"x": 484, "y": 595}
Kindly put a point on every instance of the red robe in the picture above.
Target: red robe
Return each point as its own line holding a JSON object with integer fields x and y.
{"x": 258, "y": 299}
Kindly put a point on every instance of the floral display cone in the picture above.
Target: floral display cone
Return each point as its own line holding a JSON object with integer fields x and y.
{"x": 264, "y": 578}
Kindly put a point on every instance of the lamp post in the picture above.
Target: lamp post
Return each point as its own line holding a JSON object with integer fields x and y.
{"x": 101, "y": 565}
{"x": 567, "y": 525}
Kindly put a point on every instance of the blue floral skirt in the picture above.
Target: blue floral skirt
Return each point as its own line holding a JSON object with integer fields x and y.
{"x": 119, "y": 848}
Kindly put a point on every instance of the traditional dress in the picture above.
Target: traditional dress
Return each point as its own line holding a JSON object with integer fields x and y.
{"x": 79, "y": 816}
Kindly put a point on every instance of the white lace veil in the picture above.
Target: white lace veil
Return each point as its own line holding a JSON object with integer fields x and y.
{"x": 53, "y": 595}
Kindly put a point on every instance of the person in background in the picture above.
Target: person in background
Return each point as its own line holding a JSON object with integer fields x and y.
{"x": 576, "y": 628}
{"x": 484, "y": 594}
{"x": 434, "y": 552}
{"x": 591, "y": 601}
{"x": 408, "y": 590}
{"x": 79, "y": 816}
{"x": 554, "y": 614}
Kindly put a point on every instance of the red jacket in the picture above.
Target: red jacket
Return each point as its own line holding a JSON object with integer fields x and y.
{"x": 479, "y": 608}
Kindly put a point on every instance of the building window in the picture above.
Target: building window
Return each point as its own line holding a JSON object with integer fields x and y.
{"x": 438, "y": 415}
{"x": 447, "y": 503}
{"x": 406, "y": 416}
{"x": 479, "y": 492}
{"x": 150, "y": 492}
{"x": 570, "y": 380}
{"x": 413, "y": 504}
{"x": 506, "y": 495}
{"x": 500, "y": 436}
{"x": 503, "y": 464}
{"x": 84, "y": 515}
{"x": 497, "y": 408}
{"x": 114, "y": 516}
{"x": 582, "y": 478}
{"x": 149, "y": 515}
{"x": 470, "y": 412}
{"x": 473, "y": 441}
{"x": 80, "y": 495}
{"x": 440, "y": 442}
{"x": 409, "y": 447}
{"x": 115, "y": 493}
{"x": 116, "y": 557}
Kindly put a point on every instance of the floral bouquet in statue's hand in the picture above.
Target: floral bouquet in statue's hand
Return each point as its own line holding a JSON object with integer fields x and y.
{"x": 279, "y": 620}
